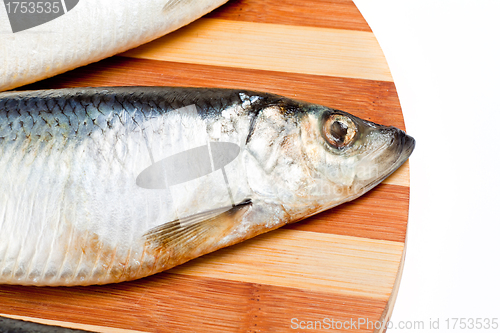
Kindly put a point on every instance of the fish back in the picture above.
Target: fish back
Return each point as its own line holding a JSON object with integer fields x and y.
{"x": 71, "y": 208}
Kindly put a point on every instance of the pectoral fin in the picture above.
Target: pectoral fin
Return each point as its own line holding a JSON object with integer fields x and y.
{"x": 196, "y": 231}
{"x": 171, "y": 4}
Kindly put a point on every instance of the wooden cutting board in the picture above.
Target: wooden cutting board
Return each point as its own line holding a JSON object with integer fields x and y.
{"x": 338, "y": 266}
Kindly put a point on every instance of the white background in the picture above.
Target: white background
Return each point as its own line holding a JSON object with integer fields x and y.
{"x": 445, "y": 60}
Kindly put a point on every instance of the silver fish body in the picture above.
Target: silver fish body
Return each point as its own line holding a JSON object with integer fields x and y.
{"x": 112, "y": 184}
{"x": 83, "y": 31}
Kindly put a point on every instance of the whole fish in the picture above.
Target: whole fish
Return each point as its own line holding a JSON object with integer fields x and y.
{"x": 102, "y": 185}
{"x": 39, "y": 39}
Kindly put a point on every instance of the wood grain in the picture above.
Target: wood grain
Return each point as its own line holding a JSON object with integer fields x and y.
{"x": 240, "y": 44}
{"x": 376, "y": 215}
{"x": 351, "y": 266}
{"x": 178, "y": 303}
{"x": 400, "y": 176}
{"x": 74, "y": 326}
{"x": 336, "y": 14}
{"x": 342, "y": 264}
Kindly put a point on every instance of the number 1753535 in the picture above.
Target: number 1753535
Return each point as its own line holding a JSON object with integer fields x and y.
{"x": 32, "y": 7}
{"x": 472, "y": 323}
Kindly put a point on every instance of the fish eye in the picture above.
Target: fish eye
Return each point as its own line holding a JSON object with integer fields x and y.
{"x": 339, "y": 131}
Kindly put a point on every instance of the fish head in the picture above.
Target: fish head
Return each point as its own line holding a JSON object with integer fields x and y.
{"x": 347, "y": 156}
{"x": 306, "y": 158}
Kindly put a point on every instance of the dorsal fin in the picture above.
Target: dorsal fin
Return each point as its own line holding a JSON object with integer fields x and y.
{"x": 182, "y": 235}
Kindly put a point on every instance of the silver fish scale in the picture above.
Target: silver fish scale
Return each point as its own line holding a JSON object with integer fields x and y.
{"x": 55, "y": 201}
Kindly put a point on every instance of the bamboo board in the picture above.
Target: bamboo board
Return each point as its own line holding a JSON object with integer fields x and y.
{"x": 340, "y": 265}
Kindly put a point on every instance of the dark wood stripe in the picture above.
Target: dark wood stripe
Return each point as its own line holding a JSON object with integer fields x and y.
{"x": 376, "y": 101}
{"x": 337, "y": 14}
{"x": 381, "y": 214}
{"x": 174, "y": 303}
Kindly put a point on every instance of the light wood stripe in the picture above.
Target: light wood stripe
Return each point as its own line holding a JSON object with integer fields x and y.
{"x": 400, "y": 177}
{"x": 307, "y": 260}
{"x": 306, "y": 50}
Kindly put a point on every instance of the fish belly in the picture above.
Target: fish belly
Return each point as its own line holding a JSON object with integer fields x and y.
{"x": 71, "y": 209}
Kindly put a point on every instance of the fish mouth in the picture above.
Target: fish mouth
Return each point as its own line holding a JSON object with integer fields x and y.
{"x": 406, "y": 146}
{"x": 402, "y": 147}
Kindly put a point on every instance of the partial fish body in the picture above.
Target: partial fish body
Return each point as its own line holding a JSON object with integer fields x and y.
{"x": 113, "y": 184}
{"x": 90, "y": 31}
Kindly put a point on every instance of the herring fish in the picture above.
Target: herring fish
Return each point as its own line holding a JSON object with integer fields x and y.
{"x": 102, "y": 185}
{"x": 42, "y": 39}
